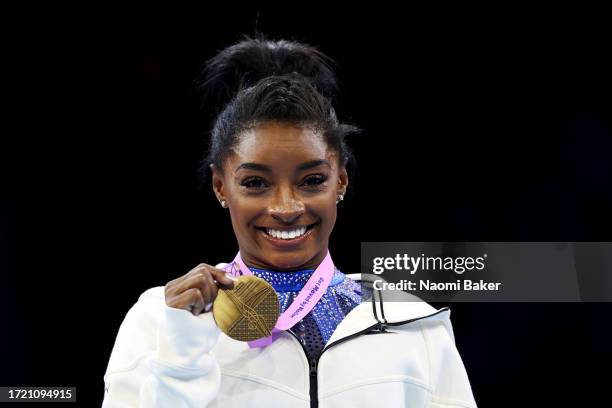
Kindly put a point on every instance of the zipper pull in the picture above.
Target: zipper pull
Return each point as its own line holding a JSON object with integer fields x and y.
{"x": 313, "y": 367}
{"x": 382, "y": 326}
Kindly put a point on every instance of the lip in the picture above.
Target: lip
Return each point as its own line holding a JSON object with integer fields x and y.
{"x": 288, "y": 243}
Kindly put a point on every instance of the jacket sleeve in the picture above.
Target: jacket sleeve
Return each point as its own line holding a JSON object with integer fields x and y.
{"x": 161, "y": 358}
{"x": 448, "y": 376}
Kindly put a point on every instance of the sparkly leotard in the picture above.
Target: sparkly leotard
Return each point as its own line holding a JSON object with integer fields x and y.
{"x": 314, "y": 331}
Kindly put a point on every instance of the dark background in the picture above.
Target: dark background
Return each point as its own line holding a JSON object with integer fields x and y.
{"x": 482, "y": 125}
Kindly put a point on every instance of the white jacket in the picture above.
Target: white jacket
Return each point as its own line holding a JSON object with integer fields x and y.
{"x": 166, "y": 357}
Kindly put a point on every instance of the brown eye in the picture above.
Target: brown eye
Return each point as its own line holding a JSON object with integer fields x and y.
{"x": 254, "y": 183}
{"x": 313, "y": 181}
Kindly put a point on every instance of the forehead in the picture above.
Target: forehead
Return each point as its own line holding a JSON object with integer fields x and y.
{"x": 273, "y": 141}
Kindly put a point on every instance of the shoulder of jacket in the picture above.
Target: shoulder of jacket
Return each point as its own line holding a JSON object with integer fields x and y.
{"x": 157, "y": 292}
{"x": 401, "y": 302}
{"x": 137, "y": 334}
{"x": 410, "y": 310}
{"x": 147, "y": 311}
{"x": 400, "y": 306}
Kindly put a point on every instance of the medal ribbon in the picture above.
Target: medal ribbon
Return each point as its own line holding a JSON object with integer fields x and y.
{"x": 305, "y": 301}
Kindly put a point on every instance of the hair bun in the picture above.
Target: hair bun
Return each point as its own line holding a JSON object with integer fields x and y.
{"x": 245, "y": 63}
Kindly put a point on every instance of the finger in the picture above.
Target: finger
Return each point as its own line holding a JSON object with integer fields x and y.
{"x": 199, "y": 269}
{"x": 175, "y": 283}
{"x": 190, "y": 300}
{"x": 206, "y": 288}
{"x": 197, "y": 303}
{"x": 194, "y": 281}
{"x": 212, "y": 285}
{"x": 223, "y": 280}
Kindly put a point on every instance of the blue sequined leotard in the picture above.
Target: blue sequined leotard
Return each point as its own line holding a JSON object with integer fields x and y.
{"x": 314, "y": 331}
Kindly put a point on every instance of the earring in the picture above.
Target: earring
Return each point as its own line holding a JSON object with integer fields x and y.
{"x": 340, "y": 198}
{"x": 223, "y": 204}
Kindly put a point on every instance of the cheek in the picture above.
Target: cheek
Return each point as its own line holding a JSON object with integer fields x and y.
{"x": 326, "y": 209}
{"x": 242, "y": 214}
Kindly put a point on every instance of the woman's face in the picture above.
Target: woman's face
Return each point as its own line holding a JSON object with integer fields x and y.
{"x": 281, "y": 185}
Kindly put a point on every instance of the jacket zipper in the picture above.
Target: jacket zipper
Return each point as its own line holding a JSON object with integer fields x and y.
{"x": 312, "y": 369}
{"x": 313, "y": 363}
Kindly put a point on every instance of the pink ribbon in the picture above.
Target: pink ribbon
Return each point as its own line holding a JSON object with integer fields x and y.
{"x": 308, "y": 297}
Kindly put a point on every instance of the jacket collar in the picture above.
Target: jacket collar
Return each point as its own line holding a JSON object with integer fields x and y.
{"x": 368, "y": 314}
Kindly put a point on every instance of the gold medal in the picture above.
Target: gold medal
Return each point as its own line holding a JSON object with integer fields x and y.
{"x": 247, "y": 312}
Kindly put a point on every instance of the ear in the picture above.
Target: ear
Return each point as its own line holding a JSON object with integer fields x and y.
{"x": 343, "y": 180}
{"x": 217, "y": 183}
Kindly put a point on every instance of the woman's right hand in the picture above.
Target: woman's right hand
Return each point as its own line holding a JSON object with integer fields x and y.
{"x": 198, "y": 288}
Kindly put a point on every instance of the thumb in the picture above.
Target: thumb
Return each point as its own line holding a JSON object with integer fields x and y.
{"x": 224, "y": 280}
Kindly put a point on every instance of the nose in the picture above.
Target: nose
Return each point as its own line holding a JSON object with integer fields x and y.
{"x": 285, "y": 206}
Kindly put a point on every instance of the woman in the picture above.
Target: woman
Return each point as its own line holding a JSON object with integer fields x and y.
{"x": 278, "y": 160}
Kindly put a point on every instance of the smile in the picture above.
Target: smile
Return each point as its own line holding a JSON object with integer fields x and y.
{"x": 288, "y": 234}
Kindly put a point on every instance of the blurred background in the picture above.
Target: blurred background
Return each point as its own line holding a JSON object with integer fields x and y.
{"x": 480, "y": 125}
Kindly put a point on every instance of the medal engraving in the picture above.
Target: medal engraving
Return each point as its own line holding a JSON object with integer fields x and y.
{"x": 247, "y": 312}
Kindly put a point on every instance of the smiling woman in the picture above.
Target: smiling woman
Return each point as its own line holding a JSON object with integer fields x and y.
{"x": 281, "y": 186}
{"x": 278, "y": 161}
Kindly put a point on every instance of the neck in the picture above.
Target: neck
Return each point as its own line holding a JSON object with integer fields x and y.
{"x": 254, "y": 262}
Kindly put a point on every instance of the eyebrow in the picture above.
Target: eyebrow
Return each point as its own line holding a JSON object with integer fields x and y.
{"x": 262, "y": 167}
{"x": 253, "y": 166}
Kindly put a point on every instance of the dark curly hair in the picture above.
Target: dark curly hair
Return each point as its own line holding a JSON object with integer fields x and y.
{"x": 258, "y": 80}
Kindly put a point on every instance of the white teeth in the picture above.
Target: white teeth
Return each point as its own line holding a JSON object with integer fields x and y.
{"x": 286, "y": 234}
